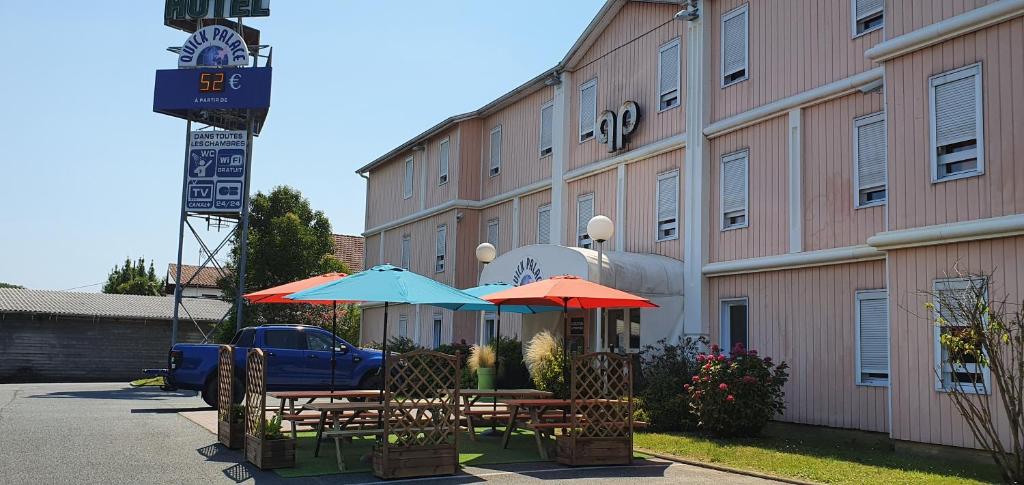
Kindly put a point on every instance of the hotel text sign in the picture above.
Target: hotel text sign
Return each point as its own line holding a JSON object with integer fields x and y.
{"x": 215, "y": 9}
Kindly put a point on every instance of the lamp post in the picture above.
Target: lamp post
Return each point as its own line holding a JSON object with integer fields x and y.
{"x": 485, "y": 253}
{"x": 600, "y": 229}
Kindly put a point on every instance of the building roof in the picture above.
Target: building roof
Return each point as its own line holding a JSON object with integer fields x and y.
{"x": 206, "y": 277}
{"x": 103, "y": 305}
{"x": 350, "y": 250}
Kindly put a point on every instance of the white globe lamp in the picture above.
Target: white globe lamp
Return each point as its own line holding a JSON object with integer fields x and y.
{"x": 600, "y": 228}
{"x": 485, "y": 253}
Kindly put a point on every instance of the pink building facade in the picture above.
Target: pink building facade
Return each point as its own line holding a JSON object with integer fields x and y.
{"x": 789, "y": 175}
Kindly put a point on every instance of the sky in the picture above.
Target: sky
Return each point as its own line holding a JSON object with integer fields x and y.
{"x": 89, "y": 175}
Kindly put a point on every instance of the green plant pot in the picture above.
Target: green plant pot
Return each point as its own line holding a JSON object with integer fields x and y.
{"x": 485, "y": 378}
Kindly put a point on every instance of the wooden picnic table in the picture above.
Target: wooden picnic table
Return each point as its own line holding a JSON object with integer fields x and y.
{"x": 536, "y": 409}
{"x": 471, "y": 398}
{"x": 290, "y": 397}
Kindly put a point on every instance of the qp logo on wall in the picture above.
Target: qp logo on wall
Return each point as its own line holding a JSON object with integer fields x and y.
{"x": 527, "y": 271}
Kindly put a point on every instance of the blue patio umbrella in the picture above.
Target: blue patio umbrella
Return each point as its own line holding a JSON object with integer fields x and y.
{"x": 388, "y": 284}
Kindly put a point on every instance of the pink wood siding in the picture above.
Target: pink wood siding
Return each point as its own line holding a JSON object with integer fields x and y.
{"x": 795, "y": 45}
{"x": 436, "y": 193}
{"x": 603, "y": 186}
{"x": 768, "y": 195}
{"x": 503, "y": 213}
{"x": 624, "y": 61}
{"x": 385, "y": 190}
{"x": 521, "y": 163}
{"x": 830, "y": 218}
{"x": 528, "y": 216}
{"x": 920, "y": 413}
{"x": 807, "y": 318}
{"x": 470, "y": 159}
{"x": 915, "y": 200}
{"x": 371, "y": 256}
{"x": 904, "y": 16}
{"x": 466, "y": 238}
{"x": 423, "y": 236}
{"x": 641, "y": 205}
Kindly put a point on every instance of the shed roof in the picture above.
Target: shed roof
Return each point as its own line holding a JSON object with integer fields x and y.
{"x": 103, "y": 305}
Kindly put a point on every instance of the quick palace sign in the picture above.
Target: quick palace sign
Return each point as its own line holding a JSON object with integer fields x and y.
{"x": 214, "y": 46}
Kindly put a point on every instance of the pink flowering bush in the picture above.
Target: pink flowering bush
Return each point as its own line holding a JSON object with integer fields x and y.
{"x": 735, "y": 395}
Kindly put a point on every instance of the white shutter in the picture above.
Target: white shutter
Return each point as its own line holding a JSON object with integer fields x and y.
{"x": 546, "y": 129}
{"x": 442, "y": 161}
{"x": 668, "y": 74}
{"x": 406, "y": 251}
{"x": 956, "y": 111}
{"x": 492, "y": 232}
{"x": 442, "y": 236}
{"x": 588, "y": 109}
{"x": 734, "y": 41}
{"x": 407, "y": 181}
{"x": 863, "y": 8}
{"x": 871, "y": 158}
{"x": 544, "y": 225}
{"x": 495, "y": 160}
{"x": 668, "y": 196}
{"x": 873, "y": 310}
{"x": 403, "y": 325}
{"x": 584, "y": 212}
{"x": 734, "y": 183}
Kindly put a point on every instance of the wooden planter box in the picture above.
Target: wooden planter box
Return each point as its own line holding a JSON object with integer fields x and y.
{"x": 419, "y": 461}
{"x": 268, "y": 454}
{"x": 231, "y": 435}
{"x": 594, "y": 451}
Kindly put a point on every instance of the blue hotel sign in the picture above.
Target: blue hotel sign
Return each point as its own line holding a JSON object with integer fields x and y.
{"x": 179, "y": 91}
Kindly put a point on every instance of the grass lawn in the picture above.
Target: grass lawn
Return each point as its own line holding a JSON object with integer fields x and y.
{"x": 820, "y": 455}
{"x": 147, "y": 381}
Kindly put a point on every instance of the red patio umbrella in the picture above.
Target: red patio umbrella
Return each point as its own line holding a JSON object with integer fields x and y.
{"x": 277, "y": 294}
{"x": 568, "y": 291}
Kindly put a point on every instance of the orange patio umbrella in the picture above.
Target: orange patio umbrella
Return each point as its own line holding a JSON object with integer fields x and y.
{"x": 277, "y": 294}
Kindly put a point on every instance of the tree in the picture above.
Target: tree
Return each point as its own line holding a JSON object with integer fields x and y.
{"x": 10, "y": 285}
{"x": 288, "y": 241}
{"x": 976, "y": 337}
{"x": 134, "y": 279}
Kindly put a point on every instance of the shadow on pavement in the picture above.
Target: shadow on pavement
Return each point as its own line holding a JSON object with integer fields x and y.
{"x": 127, "y": 393}
{"x": 168, "y": 410}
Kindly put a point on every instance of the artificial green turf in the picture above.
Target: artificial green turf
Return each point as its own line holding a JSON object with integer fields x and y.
{"x": 821, "y": 455}
{"x": 147, "y": 381}
{"x": 483, "y": 451}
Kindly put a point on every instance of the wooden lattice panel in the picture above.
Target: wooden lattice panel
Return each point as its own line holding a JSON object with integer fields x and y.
{"x": 225, "y": 382}
{"x": 255, "y": 393}
{"x": 602, "y": 396}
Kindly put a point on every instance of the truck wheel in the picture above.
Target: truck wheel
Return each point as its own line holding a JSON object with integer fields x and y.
{"x": 370, "y": 381}
{"x": 209, "y": 393}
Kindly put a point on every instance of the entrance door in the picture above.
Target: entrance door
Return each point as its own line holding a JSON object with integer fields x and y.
{"x": 578, "y": 339}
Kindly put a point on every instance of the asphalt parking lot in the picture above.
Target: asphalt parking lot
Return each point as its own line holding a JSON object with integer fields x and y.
{"x": 112, "y": 433}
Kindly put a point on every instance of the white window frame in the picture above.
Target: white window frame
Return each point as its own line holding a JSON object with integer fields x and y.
{"x": 854, "y": 19}
{"x": 742, "y": 9}
{"x": 949, "y": 76}
{"x": 441, "y": 257}
{"x": 724, "y": 333}
{"x": 627, "y": 320}
{"x": 403, "y": 325}
{"x": 492, "y": 318}
{"x": 744, "y": 154}
{"x": 657, "y": 201}
{"x": 593, "y": 128}
{"x": 939, "y": 367}
{"x": 437, "y": 327}
{"x": 857, "y": 123}
{"x": 407, "y": 189}
{"x": 678, "y": 89}
{"x": 494, "y": 169}
{"x": 540, "y": 148}
{"x": 406, "y": 256}
{"x": 579, "y": 236}
{"x": 444, "y": 148}
{"x": 871, "y": 295}
{"x": 541, "y": 209}
{"x": 495, "y": 223}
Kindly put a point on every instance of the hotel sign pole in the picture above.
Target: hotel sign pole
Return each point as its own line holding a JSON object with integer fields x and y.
{"x": 239, "y": 300}
{"x": 181, "y": 236}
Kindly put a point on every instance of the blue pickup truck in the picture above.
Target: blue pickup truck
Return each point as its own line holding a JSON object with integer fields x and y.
{"x": 298, "y": 358}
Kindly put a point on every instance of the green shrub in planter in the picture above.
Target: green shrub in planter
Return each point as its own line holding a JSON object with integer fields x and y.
{"x": 546, "y": 362}
{"x": 736, "y": 395}
{"x": 664, "y": 369}
{"x": 512, "y": 373}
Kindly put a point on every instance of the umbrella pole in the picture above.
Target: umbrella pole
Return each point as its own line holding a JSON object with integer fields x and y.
{"x": 384, "y": 369}
{"x": 497, "y": 364}
{"x": 565, "y": 343}
{"x": 334, "y": 343}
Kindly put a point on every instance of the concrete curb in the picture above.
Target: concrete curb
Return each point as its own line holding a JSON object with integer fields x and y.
{"x": 737, "y": 471}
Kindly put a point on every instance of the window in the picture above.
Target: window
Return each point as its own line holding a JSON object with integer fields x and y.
{"x": 546, "y": 129}
{"x": 668, "y": 206}
{"x": 406, "y": 250}
{"x": 442, "y": 162}
{"x": 588, "y": 109}
{"x": 544, "y": 224}
{"x": 492, "y": 232}
{"x": 438, "y": 321}
{"x": 407, "y": 181}
{"x": 872, "y": 337}
{"x": 734, "y": 323}
{"x": 318, "y": 342}
{"x": 956, "y": 124}
{"x": 624, "y": 330}
{"x": 869, "y": 158}
{"x": 291, "y": 339}
{"x": 971, "y": 376}
{"x": 734, "y": 46}
{"x": 734, "y": 190}
{"x": 488, "y": 331}
{"x": 245, "y": 338}
{"x": 584, "y": 212}
{"x": 403, "y": 325}
{"x": 442, "y": 247}
{"x": 668, "y": 75}
{"x": 867, "y": 16}
{"x": 495, "y": 153}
